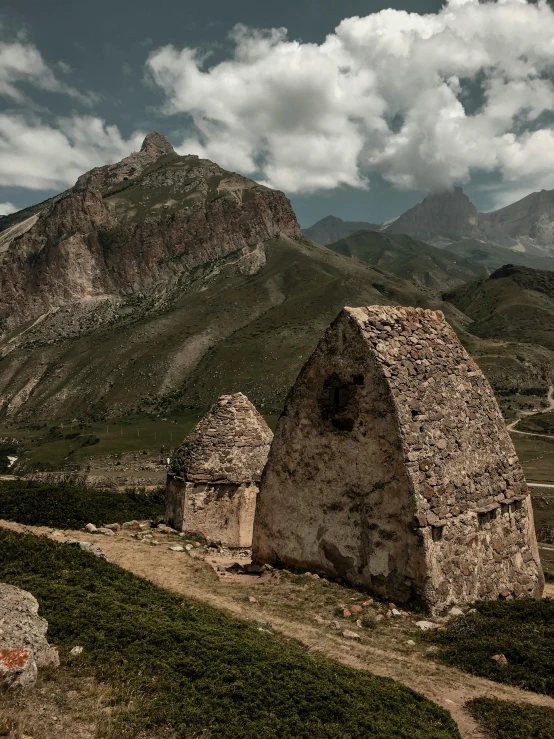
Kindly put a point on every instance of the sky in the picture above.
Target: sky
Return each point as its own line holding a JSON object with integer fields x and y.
{"x": 355, "y": 108}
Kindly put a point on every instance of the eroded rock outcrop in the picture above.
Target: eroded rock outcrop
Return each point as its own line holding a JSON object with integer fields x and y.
{"x": 213, "y": 481}
{"x": 140, "y": 225}
{"x": 392, "y": 468}
{"x": 23, "y": 643}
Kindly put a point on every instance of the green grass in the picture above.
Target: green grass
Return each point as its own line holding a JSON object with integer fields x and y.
{"x": 507, "y": 720}
{"x": 522, "y": 630}
{"x": 536, "y": 456}
{"x": 70, "y": 506}
{"x": 198, "y": 670}
{"x": 542, "y": 423}
{"x": 54, "y": 444}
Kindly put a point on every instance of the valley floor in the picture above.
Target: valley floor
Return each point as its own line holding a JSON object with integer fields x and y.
{"x": 302, "y": 608}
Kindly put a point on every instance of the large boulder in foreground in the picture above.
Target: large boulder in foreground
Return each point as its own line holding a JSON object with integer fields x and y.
{"x": 392, "y": 468}
{"x": 23, "y": 643}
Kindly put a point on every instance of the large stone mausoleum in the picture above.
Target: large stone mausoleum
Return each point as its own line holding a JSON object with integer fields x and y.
{"x": 213, "y": 480}
{"x": 392, "y": 468}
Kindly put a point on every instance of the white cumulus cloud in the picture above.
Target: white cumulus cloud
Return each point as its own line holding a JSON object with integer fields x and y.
{"x": 43, "y": 157}
{"x": 424, "y": 100}
{"x": 22, "y": 63}
{"x": 7, "y": 208}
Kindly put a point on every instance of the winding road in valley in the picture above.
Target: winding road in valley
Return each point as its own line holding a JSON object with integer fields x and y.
{"x": 550, "y": 399}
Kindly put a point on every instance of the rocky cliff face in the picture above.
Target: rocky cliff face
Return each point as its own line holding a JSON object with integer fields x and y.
{"x": 131, "y": 227}
{"x": 449, "y": 215}
{"x": 530, "y": 220}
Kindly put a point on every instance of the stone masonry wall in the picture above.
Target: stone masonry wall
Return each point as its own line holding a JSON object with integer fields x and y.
{"x": 223, "y": 513}
{"x": 443, "y": 460}
{"x": 213, "y": 480}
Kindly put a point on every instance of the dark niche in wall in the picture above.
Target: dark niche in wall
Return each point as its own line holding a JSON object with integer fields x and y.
{"x": 337, "y": 401}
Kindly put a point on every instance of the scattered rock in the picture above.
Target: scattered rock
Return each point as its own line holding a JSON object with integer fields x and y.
{"x": 86, "y": 546}
{"x": 104, "y": 530}
{"x": 236, "y": 568}
{"x": 432, "y": 650}
{"x": 427, "y": 625}
{"x": 188, "y": 547}
{"x": 76, "y": 651}
{"x": 18, "y": 668}
{"x": 162, "y": 528}
{"x": 335, "y": 625}
{"x": 346, "y": 613}
{"x": 388, "y": 614}
{"x": 251, "y": 599}
{"x": 396, "y": 612}
{"x": 131, "y": 526}
{"x": 359, "y": 623}
{"x": 254, "y": 569}
{"x": 410, "y": 643}
{"x": 176, "y": 548}
{"x": 350, "y": 635}
{"x": 113, "y": 526}
{"x": 367, "y": 603}
{"x": 456, "y": 611}
{"x": 91, "y": 528}
{"x": 379, "y": 617}
{"x": 391, "y": 606}
{"x": 22, "y": 628}
{"x": 500, "y": 659}
{"x": 356, "y": 609}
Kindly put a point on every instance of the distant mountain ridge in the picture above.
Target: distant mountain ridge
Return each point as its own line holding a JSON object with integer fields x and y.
{"x": 409, "y": 258}
{"x": 524, "y": 228}
{"x": 162, "y": 281}
{"x": 331, "y": 229}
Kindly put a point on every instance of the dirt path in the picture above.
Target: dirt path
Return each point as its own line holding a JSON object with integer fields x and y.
{"x": 550, "y": 400}
{"x": 292, "y": 608}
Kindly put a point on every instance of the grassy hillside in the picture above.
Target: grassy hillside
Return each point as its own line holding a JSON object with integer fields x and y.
{"x": 178, "y": 668}
{"x": 514, "y": 303}
{"x": 331, "y": 229}
{"x": 246, "y": 323}
{"x": 409, "y": 258}
{"x": 492, "y": 256}
{"x": 522, "y": 630}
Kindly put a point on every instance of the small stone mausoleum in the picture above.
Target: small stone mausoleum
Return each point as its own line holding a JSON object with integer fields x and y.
{"x": 392, "y": 468}
{"x": 213, "y": 480}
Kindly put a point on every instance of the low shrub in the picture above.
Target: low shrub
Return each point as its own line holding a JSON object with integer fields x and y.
{"x": 69, "y": 505}
{"x": 198, "y": 670}
{"x": 507, "y": 720}
{"x": 522, "y": 630}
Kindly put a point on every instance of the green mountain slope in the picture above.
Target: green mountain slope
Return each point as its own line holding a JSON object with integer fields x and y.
{"x": 331, "y": 229}
{"x": 246, "y": 322}
{"x": 514, "y": 303}
{"x": 409, "y": 258}
{"x": 493, "y": 256}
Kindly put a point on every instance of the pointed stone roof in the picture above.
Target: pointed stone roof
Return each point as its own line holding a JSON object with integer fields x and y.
{"x": 229, "y": 445}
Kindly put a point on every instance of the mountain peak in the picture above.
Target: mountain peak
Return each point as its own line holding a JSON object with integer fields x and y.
{"x": 156, "y": 143}
{"x": 448, "y": 214}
